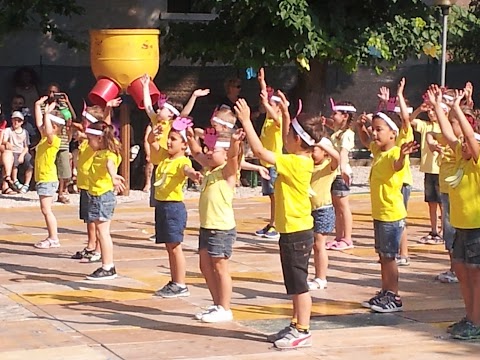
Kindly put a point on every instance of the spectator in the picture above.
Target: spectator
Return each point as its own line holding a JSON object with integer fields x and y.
{"x": 26, "y": 84}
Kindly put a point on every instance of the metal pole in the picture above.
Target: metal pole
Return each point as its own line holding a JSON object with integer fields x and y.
{"x": 445, "y": 11}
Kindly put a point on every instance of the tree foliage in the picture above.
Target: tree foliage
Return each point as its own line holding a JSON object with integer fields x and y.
{"x": 17, "y": 15}
{"x": 347, "y": 32}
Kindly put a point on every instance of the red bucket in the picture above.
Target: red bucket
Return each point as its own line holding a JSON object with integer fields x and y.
{"x": 103, "y": 91}
{"x": 135, "y": 90}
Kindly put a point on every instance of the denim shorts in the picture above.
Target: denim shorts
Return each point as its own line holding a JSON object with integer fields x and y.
{"x": 406, "y": 191}
{"x": 448, "y": 231}
{"x": 47, "y": 188}
{"x": 268, "y": 185}
{"x": 83, "y": 208}
{"x": 466, "y": 247}
{"x": 295, "y": 251}
{"x": 387, "y": 237}
{"x": 339, "y": 187}
{"x": 170, "y": 221}
{"x": 323, "y": 220}
{"x": 101, "y": 208}
{"x": 432, "y": 188}
{"x": 219, "y": 243}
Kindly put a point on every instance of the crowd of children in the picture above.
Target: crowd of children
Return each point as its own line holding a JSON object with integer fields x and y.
{"x": 306, "y": 173}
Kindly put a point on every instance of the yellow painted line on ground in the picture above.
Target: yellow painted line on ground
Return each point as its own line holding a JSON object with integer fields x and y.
{"x": 280, "y": 311}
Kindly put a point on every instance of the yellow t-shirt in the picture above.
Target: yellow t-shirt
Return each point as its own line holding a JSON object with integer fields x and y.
{"x": 157, "y": 156}
{"x": 216, "y": 202}
{"x": 321, "y": 183}
{"x": 99, "y": 180}
{"x": 386, "y": 185}
{"x": 85, "y": 159}
{"x": 45, "y": 168}
{"x": 428, "y": 160}
{"x": 172, "y": 179}
{"x": 271, "y": 138}
{"x": 465, "y": 198}
{"x": 292, "y": 200}
{"x": 343, "y": 139}
{"x": 448, "y": 163}
{"x": 403, "y": 137}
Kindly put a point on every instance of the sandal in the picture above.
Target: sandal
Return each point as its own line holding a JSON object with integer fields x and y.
{"x": 431, "y": 239}
{"x": 317, "y": 284}
{"x": 63, "y": 199}
{"x": 340, "y": 245}
{"x": 47, "y": 244}
{"x": 329, "y": 244}
{"x": 8, "y": 191}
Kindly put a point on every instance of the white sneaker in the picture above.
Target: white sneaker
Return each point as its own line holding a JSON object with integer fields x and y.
{"x": 208, "y": 310}
{"x": 153, "y": 238}
{"x": 317, "y": 284}
{"x": 447, "y": 277}
{"x": 218, "y": 315}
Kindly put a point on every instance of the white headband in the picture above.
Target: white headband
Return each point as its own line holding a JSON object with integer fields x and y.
{"x": 302, "y": 133}
{"x": 223, "y": 122}
{"x": 444, "y": 107}
{"x": 346, "y": 108}
{"x": 171, "y": 108}
{"x": 448, "y": 97}
{"x": 276, "y": 98}
{"x": 222, "y": 144}
{"x": 389, "y": 121}
{"x": 89, "y": 117}
{"x": 56, "y": 119}
{"x": 397, "y": 110}
{"x": 325, "y": 142}
{"x": 93, "y": 132}
{"x": 477, "y": 136}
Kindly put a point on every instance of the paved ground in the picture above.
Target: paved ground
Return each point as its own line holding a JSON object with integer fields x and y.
{"x": 48, "y": 311}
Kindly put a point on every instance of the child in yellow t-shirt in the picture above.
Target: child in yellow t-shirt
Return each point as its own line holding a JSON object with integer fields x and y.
{"x": 271, "y": 138}
{"x": 464, "y": 213}
{"x": 102, "y": 181}
{"x": 388, "y": 209}
{"x": 170, "y": 211}
{"x": 343, "y": 140}
{"x": 221, "y": 161}
{"x": 50, "y": 125}
{"x": 293, "y": 216}
{"x": 326, "y": 160}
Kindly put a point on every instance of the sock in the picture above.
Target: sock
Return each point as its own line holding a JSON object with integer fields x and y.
{"x": 107, "y": 267}
{"x": 183, "y": 286}
{"x": 302, "y": 328}
{"x": 293, "y": 322}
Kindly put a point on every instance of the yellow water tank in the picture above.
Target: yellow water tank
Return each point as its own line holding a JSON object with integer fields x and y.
{"x": 123, "y": 55}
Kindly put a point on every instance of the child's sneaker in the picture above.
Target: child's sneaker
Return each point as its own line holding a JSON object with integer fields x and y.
{"x": 468, "y": 331}
{"x": 294, "y": 339}
{"x": 91, "y": 257}
{"x": 455, "y": 326}
{"x": 102, "y": 274}
{"x": 277, "y": 336}
{"x": 447, "y": 277}
{"x": 262, "y": 232}
{"x": 317, "y": 284}
{"x": 218, "y": 315}
{"x": 172, "y": 290}
{"x": 402, "y": 261}
{"x": 374, "y": 300}
{"x": 79, "y": 255}
{"x": 390, "y": 302}
{"x": 208, "y": 310}
{"x": 271, "y": 233}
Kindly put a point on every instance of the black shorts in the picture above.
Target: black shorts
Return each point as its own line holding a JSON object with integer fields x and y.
{"x": 83, "y": 208}
{"x": 432, "y": 188}
{"x": 295, "y": 251}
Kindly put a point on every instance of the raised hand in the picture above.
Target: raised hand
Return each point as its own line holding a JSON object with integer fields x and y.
{"x": 201, "y": 92}
{"x": 41, "y": 101}
{"x": 145, "y": 80}
{"x": 384, "y": 94}
{"x": 242, "y": 110}
{"x": 409, "y": 148}
{"x": 238, "y": 135}
{"x": 401, "y": 87}
{"x": 115, "y": 102}
{"x": 459, "y": 95}
{"x": 434, "y": 94}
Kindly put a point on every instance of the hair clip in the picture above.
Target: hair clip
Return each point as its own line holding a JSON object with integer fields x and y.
{"x": 182, "y": 123}
{"x": 391, "y": 103}
{"x": 210, "y": 138}
{"x": 162, "y": 100}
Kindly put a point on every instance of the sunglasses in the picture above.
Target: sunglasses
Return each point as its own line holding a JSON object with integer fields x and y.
{"x": 237, "y": 86}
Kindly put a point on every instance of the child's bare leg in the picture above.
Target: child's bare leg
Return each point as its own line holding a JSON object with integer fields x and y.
{"x": 466, "y": 288}
{"x": 339, "y": 232}
{"x": 106, "y": 244}
{"x": 92, "y": 236}
{"x": 389, "y": 274}
{"x": 148, "y": 176}
{"x": 404, "y": 244}
{"x": 272, "y": 210}
{"x": 302, "y": 303}
{"x": 432, "y": 210}
{"x": 206, "y": 268}
{"x": 223, "y": 281}
{"x": 474, "y": 274}
{"x": 177, "y": 262}
{"x": 50, "y": 219}
{"x": 320, "y": 256}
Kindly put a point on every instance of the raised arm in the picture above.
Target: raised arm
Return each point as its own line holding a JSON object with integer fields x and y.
{"x": 330, "y": 150}
{"x": 406, "y": 149}
{"x": 435, "y": 97}
{"x": 107, "y": 112}
{"x": 38, "y": 113}
{"x": 243, "y": 114}
{"x": 404, "y": 115}
{"x": 467, "y": 129}
{"x": 147, "y": 100}
{"x": 230, "y": 171}
{"x": 195, "y": 148}
{"x": 47, "y": 123}
{"x": 363, "y": 131}
{"x": 191, "y": 102}
{"x": 285, "y": 116}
